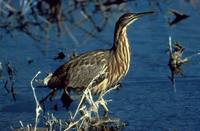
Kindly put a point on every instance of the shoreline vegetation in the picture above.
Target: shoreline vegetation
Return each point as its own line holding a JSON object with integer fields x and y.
{"x": 87, "y": 116}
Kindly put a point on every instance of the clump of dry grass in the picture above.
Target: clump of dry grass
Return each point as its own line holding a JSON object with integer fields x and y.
{"x": 176, "y": 60}
{"x": 86, "y": 117}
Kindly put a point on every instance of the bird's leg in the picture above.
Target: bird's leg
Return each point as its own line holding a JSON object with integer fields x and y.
{"x": 66, "y": 99}
{"x": 51, "y": 94}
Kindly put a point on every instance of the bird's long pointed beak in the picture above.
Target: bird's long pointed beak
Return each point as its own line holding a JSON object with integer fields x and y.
{"x": 137, "y": 15}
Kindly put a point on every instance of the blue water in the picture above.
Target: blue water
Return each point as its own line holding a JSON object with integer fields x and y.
{"x": 146, "y": 100}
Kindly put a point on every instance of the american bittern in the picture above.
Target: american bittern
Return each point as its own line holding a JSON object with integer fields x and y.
{"x": 113, "y": 64}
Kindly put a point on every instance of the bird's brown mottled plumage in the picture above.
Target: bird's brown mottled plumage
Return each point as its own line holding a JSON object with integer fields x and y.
{"x": 113, "y": 64}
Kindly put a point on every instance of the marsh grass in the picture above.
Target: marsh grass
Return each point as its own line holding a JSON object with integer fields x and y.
{"x": 88, "y": 115}
{"x": 176, "y": 60}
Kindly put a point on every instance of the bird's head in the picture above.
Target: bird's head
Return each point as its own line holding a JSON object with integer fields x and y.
{"x": 128, "y": 18}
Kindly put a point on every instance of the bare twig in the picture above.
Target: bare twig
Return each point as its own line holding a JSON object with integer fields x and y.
{"x": 86, "y": 94}
{"x": 191, "y": 56}
{"x": 176, "y": 61}
{"x": 38, "y": 107}
{"x": 82, "y": 122}
{"x": 172, "y": 78}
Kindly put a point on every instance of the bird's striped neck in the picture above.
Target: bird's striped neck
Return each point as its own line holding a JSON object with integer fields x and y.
{"x": 120, "y": 39}
{"x": 121, "y": 52}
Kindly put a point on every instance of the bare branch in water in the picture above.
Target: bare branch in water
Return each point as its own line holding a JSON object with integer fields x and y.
{"x": 176, "y": 61}
{"x": 179, "y": 17}
{"x": 38, "y": 107}
{"x": 172, "y": 78}
{"x": 9, "y": 82}
{"x": 45, "y": 15}
{"x": 12, "y": 90}
{"x": 5, "y": 86}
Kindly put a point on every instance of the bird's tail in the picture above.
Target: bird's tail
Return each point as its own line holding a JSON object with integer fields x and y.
{"x": 45, "y": 81}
